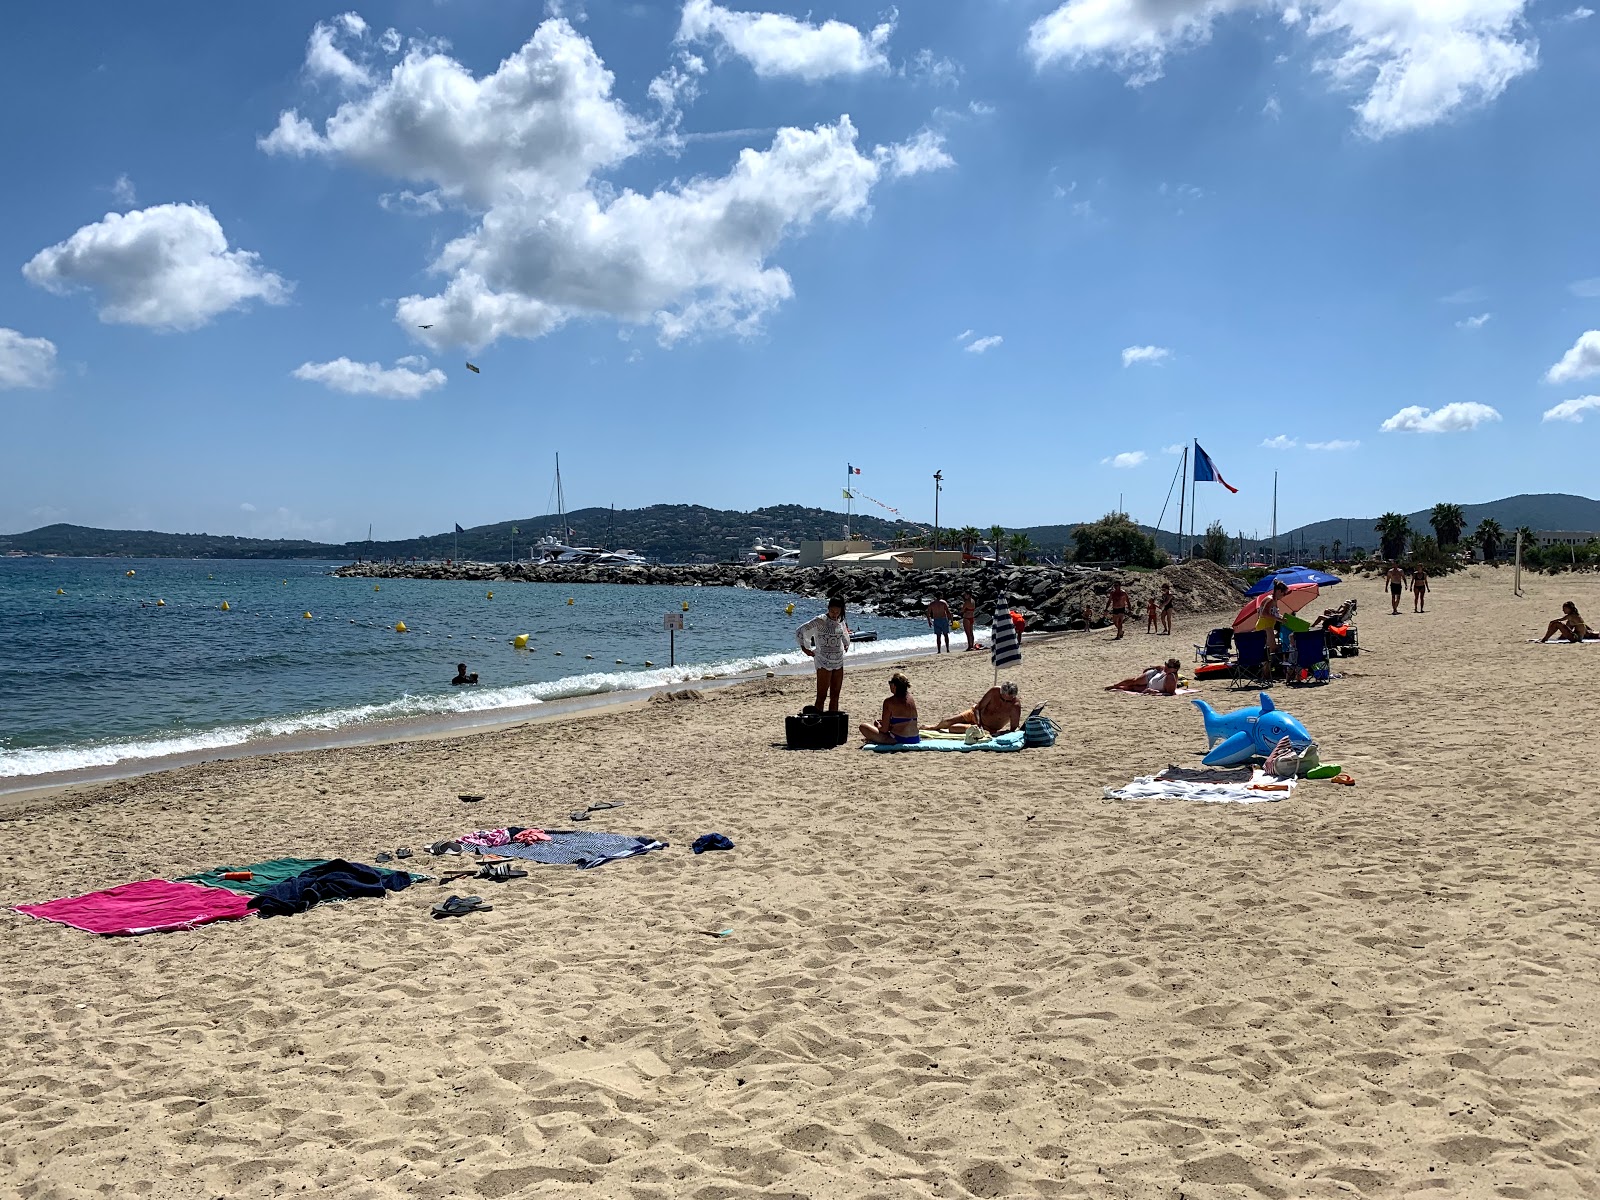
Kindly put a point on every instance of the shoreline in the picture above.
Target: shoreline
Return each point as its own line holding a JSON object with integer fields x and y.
{"x": 18, "y": 790}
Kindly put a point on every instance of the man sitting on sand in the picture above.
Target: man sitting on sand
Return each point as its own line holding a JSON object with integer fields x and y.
{"x": 462, "y": 677}
{"x": 1155, "y": 681}
{"x": 897, "y": 726}
{"x": 999, "y": 711}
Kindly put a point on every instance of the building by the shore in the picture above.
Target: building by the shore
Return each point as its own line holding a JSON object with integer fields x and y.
{"x": 859, "y": 553}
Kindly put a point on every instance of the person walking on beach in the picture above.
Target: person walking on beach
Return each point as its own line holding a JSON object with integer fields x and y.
{"x": 897, "y": 726}
{"x": 1118, "y": 605}
{"x": 969, "y": 620}
{"x": 1168, "y": 603}
{"x": 826, "y": 640}
{"x": 1397, "y": 584}
{"x": 939, "y": 619}
{"x": 1419, "y": 590}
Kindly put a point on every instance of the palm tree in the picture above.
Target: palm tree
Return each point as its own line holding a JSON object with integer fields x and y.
{"x": 1336, "y": 544}
{"x": 1489, "y": 535}
{"x": 1019, "y": 544}
{"x": 1394, "y": 531}
{"x": 969, "y": 537}
{"x": 997, "y": 539}
{"x": 1322, "y": 552}
{"x": 1448, "y": 521}
{"x": 1529, "y": 540}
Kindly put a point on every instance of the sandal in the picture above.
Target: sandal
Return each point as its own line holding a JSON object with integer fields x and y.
{"x": 1344, "y": 779}
{"x": 501, "y": 873}
{"x": 460, "y": 906}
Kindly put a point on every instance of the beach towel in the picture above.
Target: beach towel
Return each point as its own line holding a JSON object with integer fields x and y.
{"x": 1005, "y": 742}
{"x": 149, "y": 906}
{"x": 584, "y": 850}
{"x": 1183, "y": 691}
{"x": 264, "y": 875}
{"x": 1588, "y": 641}
{"x": 335, "y": 879}
{"x": 1150, "y": 787}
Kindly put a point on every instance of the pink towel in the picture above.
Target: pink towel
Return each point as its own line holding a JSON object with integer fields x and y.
{"x": 149, "y": 906}
{"x": 529, "y": 836}
{"x": 486, "y": 839}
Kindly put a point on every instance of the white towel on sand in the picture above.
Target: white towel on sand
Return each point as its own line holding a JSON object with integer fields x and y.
{"x": 1148, "y": 787}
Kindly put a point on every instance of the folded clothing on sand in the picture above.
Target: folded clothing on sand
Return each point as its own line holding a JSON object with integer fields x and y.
{"x": 583, "y": 849}
{"x": 1256, "y": 791}
{"x": 1006, "y": 741}
{"x": 263, "y": 875}
{"x": 335, "y": 879}
{"x": 149, "y": 906}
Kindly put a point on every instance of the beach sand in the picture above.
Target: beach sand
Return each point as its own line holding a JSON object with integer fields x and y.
{"x": 949, "y": 975}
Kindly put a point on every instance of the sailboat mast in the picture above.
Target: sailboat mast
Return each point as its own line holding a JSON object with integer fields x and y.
{"x": 1274, "y": 518}
{"x": 1183, "y": 487}
{"x": 561, "y": 503}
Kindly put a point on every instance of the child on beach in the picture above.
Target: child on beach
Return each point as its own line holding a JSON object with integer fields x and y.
{"x": 826, "y": 639}
{"x": 1150, "y": 615}
{"x": 898, "y": 723}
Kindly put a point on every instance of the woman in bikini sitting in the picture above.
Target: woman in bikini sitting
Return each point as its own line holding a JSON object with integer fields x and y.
{"x": 898, "y": 724}
{"x": 1571, "y": 628}
{"x": 1156, "y": 681}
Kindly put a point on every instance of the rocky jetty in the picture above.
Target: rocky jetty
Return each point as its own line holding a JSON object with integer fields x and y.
{"x": 1051, "y": 598}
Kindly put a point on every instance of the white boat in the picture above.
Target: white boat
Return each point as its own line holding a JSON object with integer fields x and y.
{"x": 764, "y": 555}
{"x": 553, "y": 548}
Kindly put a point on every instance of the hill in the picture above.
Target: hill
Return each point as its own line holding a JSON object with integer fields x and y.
{"x": 1553, "y": 510}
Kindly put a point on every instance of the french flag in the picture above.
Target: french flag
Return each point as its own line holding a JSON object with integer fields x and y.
{"x": 1205, "y": 471}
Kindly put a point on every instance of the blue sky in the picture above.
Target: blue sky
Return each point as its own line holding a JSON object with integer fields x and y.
{"x": 712, "y": 253}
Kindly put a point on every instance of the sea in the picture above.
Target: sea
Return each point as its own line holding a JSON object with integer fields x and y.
{"x": 109, "y": 663}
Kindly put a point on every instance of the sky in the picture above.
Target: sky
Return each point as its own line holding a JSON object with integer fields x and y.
{"x": 716, "y": 253}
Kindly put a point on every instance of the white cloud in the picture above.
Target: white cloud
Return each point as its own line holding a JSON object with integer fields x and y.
{"x": 1130, "y": 458}
{"x": 1417, "y": 63}
{"x": 25, "y": 362}
{"x": 527, "y": 146}
{"x": 778, "y": 45}
{"x": 923, "y": 152}
{"x": 935, "y": 69}
{"x": 1580, "y": 362}
{"x": 1272, "y": 108}
{"x": 1572, "y": 410}
{"x": 247, "y": 506}
{"x": 1577, "y": 14}
{"x": 979, "y": 108}
{"x": 1477, "y": 322}
{"x": 406, "y": 380}
{"x": 325, "y": 60}
{"x": 1466, "y": 295}
{"x": 390, "y": 41}
{"x": 1452, "y": 418}
{"x": 1282, "y": 442}
{"x": 421, "y": 204}
{"x": 165, "y": 267}
{"x": 678, "y": 86}
{"x": 984, "y": 344}
{"x": 123, "y": 193}
{"x": 1175, "y": 448}
{"x": 964, "y": 335}
{"x": 1335, "y": 444}
{"x": 1144, "y": 354}
{"x": 1589, "y": 289}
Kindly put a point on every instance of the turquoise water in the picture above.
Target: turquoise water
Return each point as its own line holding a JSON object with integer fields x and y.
{"x": 103, "y": 673}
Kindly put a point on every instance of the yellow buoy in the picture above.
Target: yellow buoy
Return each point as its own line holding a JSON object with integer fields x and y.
{"x": 569, "y": 599}
{"x": 491, "y": 596}
{"x": 130, "y": 574}
{"x": 61, "y": 591}
{"x": 789, "y": 611}
{"x": 520, "y": 641}
{"x": 685, "y": 606}
{"x": 376, "y": 588}
{"x": 399, "y": 626}
{"x": 161, "y": 603}
{"x": 209, "y": 577}
{"x": 307, "y": 616}
{"x": 225, "y": 607}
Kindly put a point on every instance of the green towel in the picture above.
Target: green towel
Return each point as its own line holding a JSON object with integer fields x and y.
{"x": 264, "y": 874}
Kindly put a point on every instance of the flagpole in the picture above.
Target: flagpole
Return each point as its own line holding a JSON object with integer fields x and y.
{"x": 1274, "y": 518}
{"x": 1183, "y": 489}
{"x": 1193, "y": 493}
{"x": 847, "y": 499}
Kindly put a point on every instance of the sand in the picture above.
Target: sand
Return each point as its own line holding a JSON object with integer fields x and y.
{"x": 948, "y": 976}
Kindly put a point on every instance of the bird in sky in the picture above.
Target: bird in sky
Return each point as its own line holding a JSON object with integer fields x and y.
{"x": 424, "y": 326}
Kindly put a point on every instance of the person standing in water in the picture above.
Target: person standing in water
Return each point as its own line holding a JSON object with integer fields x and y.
{"x": 826, "y": 640}
{"x": 939, "y": 619}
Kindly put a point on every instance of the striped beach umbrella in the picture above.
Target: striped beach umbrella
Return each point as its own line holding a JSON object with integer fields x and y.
{"x": 1005, "y": 650}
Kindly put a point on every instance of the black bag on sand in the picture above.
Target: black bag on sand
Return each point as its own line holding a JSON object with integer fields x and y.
{"x": 813, "y": 730}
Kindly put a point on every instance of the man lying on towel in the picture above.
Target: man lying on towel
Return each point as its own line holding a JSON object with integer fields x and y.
{"x": 999, "y": 711}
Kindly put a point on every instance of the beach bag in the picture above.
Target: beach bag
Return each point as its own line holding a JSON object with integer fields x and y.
{"x": 1039, "y": 730}
{"x": 813, "y": 730}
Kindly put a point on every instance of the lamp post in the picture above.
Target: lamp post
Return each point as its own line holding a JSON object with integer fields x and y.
{"x": 938, "y": 484}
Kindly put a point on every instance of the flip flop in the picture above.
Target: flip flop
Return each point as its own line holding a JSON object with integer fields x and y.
{"x": 605, "y": 804}
{"x": 450, "y": 877}
{"x": 460, "y": 906}
{"x": 501, "y": 873}
{"x": 468, "y": 797}
{"x": 383, "y": 856}
{"x": 403, "y": 852}
{"x": 445, "y": 848}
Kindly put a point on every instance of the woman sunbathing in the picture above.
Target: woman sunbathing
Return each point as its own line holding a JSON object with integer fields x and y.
{"x": 1156, "y": 681}
{"x": 1572, "y": 629}
{"x": 898, "y": 724}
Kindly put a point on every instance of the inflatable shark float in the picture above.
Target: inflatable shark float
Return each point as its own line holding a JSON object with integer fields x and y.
{"x": 1239, "y": 736}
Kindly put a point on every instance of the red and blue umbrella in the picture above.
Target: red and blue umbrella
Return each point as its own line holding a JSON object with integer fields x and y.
{"x": 1291, "y": 576}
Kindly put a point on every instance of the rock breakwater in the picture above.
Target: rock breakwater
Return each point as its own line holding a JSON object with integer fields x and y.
{"x": 1051, "y": 598}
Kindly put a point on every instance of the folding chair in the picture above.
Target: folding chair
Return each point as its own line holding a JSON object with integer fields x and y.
{"x": 1252, "y": 663}
{"x": 1307, "y": 652}
{"x": 1218, "y": 647}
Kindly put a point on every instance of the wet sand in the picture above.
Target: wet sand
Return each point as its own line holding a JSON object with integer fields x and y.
{"x": 949, "y": 975}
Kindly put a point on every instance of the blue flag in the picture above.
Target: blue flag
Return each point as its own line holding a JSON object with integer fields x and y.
{"x": 459, "y": 529}
{"x": 1205, "y": 471}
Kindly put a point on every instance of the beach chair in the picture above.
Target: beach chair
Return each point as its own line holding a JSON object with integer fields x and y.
{"x": 1252, "y": 664}
{"x": 1308, "y": 657}
{"x": 1218, "y": 647}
